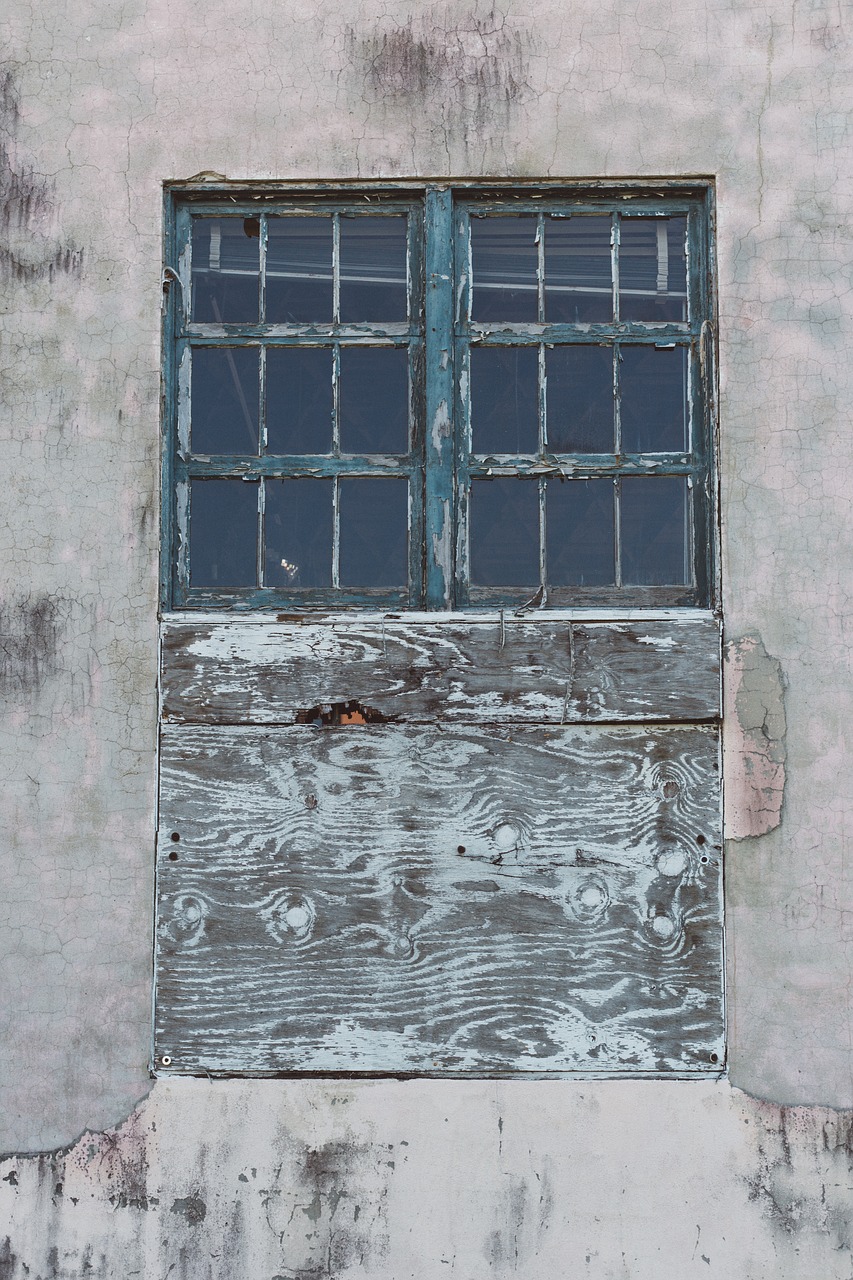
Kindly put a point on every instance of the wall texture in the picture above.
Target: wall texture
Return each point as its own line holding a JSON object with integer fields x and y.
{"x": 98, "y": 105}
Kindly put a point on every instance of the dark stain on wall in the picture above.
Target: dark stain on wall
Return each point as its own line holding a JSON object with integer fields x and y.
{"x": 29, "y": 640}
{"x": 27, "y": 205}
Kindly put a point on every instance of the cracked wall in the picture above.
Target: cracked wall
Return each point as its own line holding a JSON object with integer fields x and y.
{"x": 97, "y": 107}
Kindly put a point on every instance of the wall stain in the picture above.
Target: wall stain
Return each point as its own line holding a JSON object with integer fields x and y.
{"x": 29, "y": 642}
{"x": 27, "y": 207}
{"x": 754, "y": 738}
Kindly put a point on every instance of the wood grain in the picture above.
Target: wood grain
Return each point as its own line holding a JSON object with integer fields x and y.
{"x": 459, "y": 900}
{"x": 503, "y": 671}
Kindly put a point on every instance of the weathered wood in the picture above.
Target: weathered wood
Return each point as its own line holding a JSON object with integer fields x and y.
{"x": 458, "y": 900}
{"x": 502, "y": 671}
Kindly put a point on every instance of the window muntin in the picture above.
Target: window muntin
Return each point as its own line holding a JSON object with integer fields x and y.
{"x": 560, "y": 338}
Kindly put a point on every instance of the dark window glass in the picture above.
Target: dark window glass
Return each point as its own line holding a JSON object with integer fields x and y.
{"x": 652, "y": 269}
{"x": 224, "y": 414}
{"x": 298, "y": 533}
{"x": 504, "y": 399}
{"x": 580, "y": 537}
{"x": 578, "y": 273}
{"x": 504, "y": 259}
{"x": 299, "y": 399}
{"x": 373, "y": 269}
{"x": 579, "y": 399}
{"x": 223, "y": 533}
{"x": 504, "y": 525}
{"x": 226, "y": 261}
{"x": 653, "y": 399}
{"x": 373, "y": 532}
{"x": 299, "y": 270}
{"x": 373, "y": 400}
{"x": 654, "y": 527}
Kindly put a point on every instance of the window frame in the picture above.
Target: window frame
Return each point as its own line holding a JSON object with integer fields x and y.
{"x": 439, "y": 465}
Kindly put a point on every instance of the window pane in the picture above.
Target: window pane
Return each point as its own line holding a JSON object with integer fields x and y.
{"x": 579, "y": 399}
{"x": 653, "y": 399}
{"x": 580, "y": 535}
{"x": 504, "y": 522}
{"x": 504, "y": 259}
{"x": 298, "y": 533}
{"x": 373, "y": 524}
{"x": 504, "y": 399}
{"x": 224, "y": 415}
{"x": 299, "y": 400}
{"x": 373, "y": 400}
{"x": 373, "y": 269}
{"x": 654, "y": 526}
{"x": 652, "y": 269}
{"x": 223, "y": 533}
{"x": 578, "y": 274}
{"x": 226, "y": 259}
{"x": 299, "y": 270}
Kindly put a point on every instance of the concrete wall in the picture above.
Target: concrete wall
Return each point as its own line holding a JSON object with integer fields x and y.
{"x": 101, "y": 102}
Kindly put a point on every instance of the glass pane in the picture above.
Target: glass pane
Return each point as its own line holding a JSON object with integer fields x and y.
{"x": 504, "y": 399}
{"x": 504, "y": 258}
{"x": 224, "y": 400}
{"x": 652, "y": 269}
{"x": 653, "y": 399}
{"x": 654, "y": 527}
{"x": 579, "y": 399}
{"x": 578, "y": 275}
{"x": 298, "y": 533}
{"x": 373, "y": 269}
{"x": 226, "y": 261}
{"x": 504, "y": 521}
{"x": 299, "y": 399}
{"x": 373, "y": 400}
{"x": 223, "y": 533}
{"x": 373, "y": 524}
{"x": 299, "y": 270}
{"x": 580, "y": 533}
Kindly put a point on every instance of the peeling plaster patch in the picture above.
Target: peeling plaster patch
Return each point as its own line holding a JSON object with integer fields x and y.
{"x": 29, "y": 637}
{"x": 29, "y": 248}
{"x": 754, "y": 738}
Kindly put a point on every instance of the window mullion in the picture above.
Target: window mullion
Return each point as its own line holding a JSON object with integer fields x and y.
{"x": 438, "y": 445}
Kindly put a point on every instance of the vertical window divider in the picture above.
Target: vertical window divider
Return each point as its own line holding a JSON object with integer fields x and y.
{"x": 261, "y": 552}
{"x": 543, "y": 550}
{"x": 336, "y": 532}
{"x": 617, "y": 527}
{"x": 262, "y": 269}
{"x": 540, "y": 267}
{"x": 336, "y": 268}
{"x": 439, "y": 443}
{"x": 336, "y": 394}
{"x": 543, "y": 401}
{"x": 262, "y": 396}
{"x": 614, "y": 263}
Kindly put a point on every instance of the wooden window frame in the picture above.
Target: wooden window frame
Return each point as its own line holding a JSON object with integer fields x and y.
{"x": 440, "y": 467}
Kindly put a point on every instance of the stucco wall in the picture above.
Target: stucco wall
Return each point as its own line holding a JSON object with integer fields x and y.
{"x": 99, "y": 104}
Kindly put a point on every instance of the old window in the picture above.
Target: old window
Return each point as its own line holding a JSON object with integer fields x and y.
{"x": 439, "y": 745}
{"x": 440, "y": 399}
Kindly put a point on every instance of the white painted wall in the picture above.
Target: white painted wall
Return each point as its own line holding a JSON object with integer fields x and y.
{"x": 101, "y": 102}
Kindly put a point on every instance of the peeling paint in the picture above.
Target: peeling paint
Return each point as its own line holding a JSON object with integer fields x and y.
{"x": 754, "y": 738}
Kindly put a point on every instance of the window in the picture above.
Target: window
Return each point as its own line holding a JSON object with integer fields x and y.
{"x": 439, "y": 398}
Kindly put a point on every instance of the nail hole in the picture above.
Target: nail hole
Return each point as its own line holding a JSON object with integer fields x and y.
{"x": 173, "y": 857}
{"x": 701, "y": 840}
{"x": 166, "y": 1060}
{"x": 461, "y": 848}
{"x": 704, "y": 859}
{"x": 715, "y": 1057}
{"x": 176, "y": 836}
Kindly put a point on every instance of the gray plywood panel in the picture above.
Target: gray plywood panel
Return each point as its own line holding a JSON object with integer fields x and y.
{"x": 501, "y": 671}
{"x": 407, "y": 899}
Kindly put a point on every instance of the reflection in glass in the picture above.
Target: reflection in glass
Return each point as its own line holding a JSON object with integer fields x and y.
{"x": 579, "y": 399}
{"x": 298, "y": 533}
{"x": 654, "y": 528}
{"x": 373, "y": 400}
{"x": 580, "y": 533}
{"x": 504, "y": 522}
{"x": 373, "y": 269}
{"x": 578, "y": 275}
{"x": 504, "y": 259}
{"x": 224, "y": 399}
{"x": 223, "y": 533}
{"x": 299, "y": 399}
{"x": 653, "y": 399}
{"x": 299, "y": 270}
{"x": 504, "y": 399}
{"x": 373, "y": 531}
{"x": 652, "y": 269}
{"x": 226, "y": 258}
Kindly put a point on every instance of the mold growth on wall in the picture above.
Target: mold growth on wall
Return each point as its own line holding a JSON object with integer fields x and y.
{"x": 31, "y": 247}
{"x": 29, "y": 638}
{"x": 754, "y": 738}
